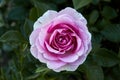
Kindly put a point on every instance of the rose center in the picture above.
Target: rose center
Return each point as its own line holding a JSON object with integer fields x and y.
{"x": 62, "y": 39}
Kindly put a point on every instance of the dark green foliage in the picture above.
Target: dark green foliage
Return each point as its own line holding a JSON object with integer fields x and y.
{"x": 16, "y": 23}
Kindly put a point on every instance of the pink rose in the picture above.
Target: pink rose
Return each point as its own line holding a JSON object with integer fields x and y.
{"x": 61, "y": 39}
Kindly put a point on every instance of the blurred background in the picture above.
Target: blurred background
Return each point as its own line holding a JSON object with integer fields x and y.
{"x": 16, "y": 23}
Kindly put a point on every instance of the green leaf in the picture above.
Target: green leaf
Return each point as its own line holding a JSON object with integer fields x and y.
{"x": 33, "y": 14}
{"x": 109, "y": 13}
{"x": 41, "y": 69}
{"x": 92, "y": 70}
{"x": 59, "y": 1}
{"x": 107, "y": 0}
{"x": 1, "y": 21}
{"x": 43, "y": 7}
{"x": 103, "y": 23}
{"x": 80, "y": 3}
{"x": 11, "y": 36}
{"x": 0, "y": 1}
{"x": 119, "y": 53}
{"x": 112, "y": 32}
{"x": 17, "y": 13}
{"x": 95, "y": 1}
{"x": 7, "y": 47}
{"x": 109, "y": 77}
{"x": 28, "y": 27}
{"x": 93, "y": 17}
{"x": 105, "y": 58}
{"x": 33, "y": 76}
{"x": 116, "y": 73}
{"x": 96, "y": 38}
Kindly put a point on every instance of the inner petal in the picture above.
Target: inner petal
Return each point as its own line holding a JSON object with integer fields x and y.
{"x": 52, "y": 50}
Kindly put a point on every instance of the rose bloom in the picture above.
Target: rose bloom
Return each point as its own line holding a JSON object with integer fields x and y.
{"x": 61, "y": 39}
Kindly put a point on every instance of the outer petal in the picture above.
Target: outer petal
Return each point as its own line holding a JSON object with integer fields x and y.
{"x": 34, "y": 51}
{"x": 89, "y": 48}
{"x": 86, "y": 40}
{"x": 64, "y": 19}
{"x": 72, "y": 66}
{"x": 55, "y": 64}
{"x": 42, "y": 36}
{"x": 39, "y": 47}
{"x": 41, "y": 58}
{"x": 45, "y": 19}
{"x": 72, "y": 12}
{"x": 34, "y": 36}
{"x": 66, "y": 67}
{"x": 69, "y": 58}
{"x": 79, "y": 61}
{"x": 50, "y": 56}
{"x": 81, "y": 51}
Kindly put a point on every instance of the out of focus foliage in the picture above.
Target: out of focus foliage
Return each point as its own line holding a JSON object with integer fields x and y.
{"x": 16, "y": 21}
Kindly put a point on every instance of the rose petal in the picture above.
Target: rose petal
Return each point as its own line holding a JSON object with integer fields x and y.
{"x": 54, "y": 34}
{"x": 67, "y": 67}
{"x": 42, "y": 36}
{"x": 55, "y": 64}
{"x": 86, "y": 39}
{"x": 69, "y": 58}
{"x": 34, "y": 51}
{"x": 89, "y": 48}
{"x": 50, "y": 56}
{"x": 64, "y": 22}
{"x": 78, "y": 41}
{"x": 34, "y": 36}
{"x": 39, "y": 47}
{"x": 51, "y": 49}
{"x": 41, "y": 58}
{"x": 72, "y": 66}
{"x": 45, "y": 19}
{"x": 81, "y": 51}
{"x": 61, "y": 20}
{"x": 80, "y": 60}
{"x": 72, "y": 12}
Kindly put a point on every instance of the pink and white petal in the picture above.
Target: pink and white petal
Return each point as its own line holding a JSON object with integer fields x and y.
{"x": 84, "y": 33}
{"x": 79, "y": 42}
{"x": 80, "y": 60}
{"x": 69, "y": 58}
{"x": 55, "y": 64}
{"x": 42, "y": 36}
{"x": 50, "y": 56}
{"x": 38, "y": 46}
{"x": 72, "y": 12}
{"x": 89, "y": 48}
{"x": 87, "y": 36}
{"x": 41, "y": 58}
{"x": 54, "y": 34}
{"x": 47, "y": 17}
{"x": 44, "y": 52}
{"x": 34, "y": 36}
{"x": 49, "y": 48}
{"x": 34, "y": 51}
{"x": 81, "y": 51}
{"x": 86, "y": 40}
{"x": 37, "y": 25}
{"x": 72, "y": 66}
{"x": 67, "y": 19}
{"x": 67, "y": 67}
